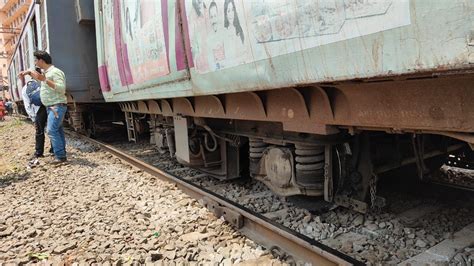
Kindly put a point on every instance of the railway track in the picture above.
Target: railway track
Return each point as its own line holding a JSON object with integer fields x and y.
{"x": 410, "y": 232}
{"x": 282, "y": 241}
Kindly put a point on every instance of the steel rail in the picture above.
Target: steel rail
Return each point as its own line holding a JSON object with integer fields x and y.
{"x": 276, "y": 237}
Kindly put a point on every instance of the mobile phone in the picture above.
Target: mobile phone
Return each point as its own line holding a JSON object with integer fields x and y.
{"x": 38, "y": 70}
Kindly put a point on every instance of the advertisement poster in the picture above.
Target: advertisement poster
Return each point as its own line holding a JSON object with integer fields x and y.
{"x": 134, "y": 41}
{"x": 110, "y": 49}
{"x": 228, "y": 33}
{"x": 143, "y": 35}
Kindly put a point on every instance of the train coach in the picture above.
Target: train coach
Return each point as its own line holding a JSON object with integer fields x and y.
{"x": 310, "y": 97}
{"x": 66, "y": 30}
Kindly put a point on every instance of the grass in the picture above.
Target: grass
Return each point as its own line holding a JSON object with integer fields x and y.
{"x": 8, "y": 125}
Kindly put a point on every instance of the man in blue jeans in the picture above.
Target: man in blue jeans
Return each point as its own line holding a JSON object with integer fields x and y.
{"x": 53, "y": 96}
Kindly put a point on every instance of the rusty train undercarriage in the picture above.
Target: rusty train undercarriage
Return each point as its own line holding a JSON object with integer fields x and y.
{"x": 327, "y": 140}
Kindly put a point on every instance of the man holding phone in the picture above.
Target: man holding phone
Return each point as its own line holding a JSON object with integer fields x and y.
{"x": 53, "y": 96}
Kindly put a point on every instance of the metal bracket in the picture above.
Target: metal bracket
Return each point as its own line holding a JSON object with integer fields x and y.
{"x": 419, "y": 151}
{"x": 351, "y": 203}
{"x": 328, "y": 175}
{"x": 234, "y": 218}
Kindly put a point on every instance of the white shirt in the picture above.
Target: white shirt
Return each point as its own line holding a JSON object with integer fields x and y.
{"x": 31, "y": 109}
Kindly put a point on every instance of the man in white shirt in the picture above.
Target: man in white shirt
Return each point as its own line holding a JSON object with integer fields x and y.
{"x": 39, "y": 116}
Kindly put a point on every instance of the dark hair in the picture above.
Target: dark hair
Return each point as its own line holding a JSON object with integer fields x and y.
{"x": 128, "y": 23}
{"x": 44, "y": 56}
{"x": 197, "y": 8}
{"x": 238, "y": 29}
{"x": 211, "y": 5}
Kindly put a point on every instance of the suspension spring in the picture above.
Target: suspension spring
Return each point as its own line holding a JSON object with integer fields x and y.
{"x": 310, "y": 162}
{"x": 256, "y": 149}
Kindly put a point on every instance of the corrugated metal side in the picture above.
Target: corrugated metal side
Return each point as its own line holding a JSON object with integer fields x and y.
{"x": 73, "y": 49}
{"x": 345, "y": 39}
{"x": 434, "y": 39}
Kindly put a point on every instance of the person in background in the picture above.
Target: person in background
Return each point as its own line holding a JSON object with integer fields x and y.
{"x": 2, "y": 110}
{"x": 37, "y": 114}
{"x": 9, "y": 107}
{"x": 53, "y": 96}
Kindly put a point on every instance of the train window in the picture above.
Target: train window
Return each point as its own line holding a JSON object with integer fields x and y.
{"x": 26, "y": 51}
{"x": 9, "y": 74}
{"x": 35, "y": 33}
{"x": 44, "y": 42}
{"x": 12, "y": 72}
{"x": 18, "y": 67}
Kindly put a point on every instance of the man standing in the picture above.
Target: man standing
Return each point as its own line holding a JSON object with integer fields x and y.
{"x": 53, "y": 96}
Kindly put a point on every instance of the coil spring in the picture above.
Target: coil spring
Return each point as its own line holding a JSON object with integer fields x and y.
{"x": 309, "y": 164}
{"x": 256, "y": 148}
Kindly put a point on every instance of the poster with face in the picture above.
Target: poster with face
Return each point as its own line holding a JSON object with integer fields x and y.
{"x": 229, "y": 33}
{"x": 134, "y": 42}
{"x": 217, "y": 32}
{"x": 143, "y": 35}
{"x": 110, "y": 52}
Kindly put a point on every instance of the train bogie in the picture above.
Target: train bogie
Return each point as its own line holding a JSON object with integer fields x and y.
{"x": 295, "y": 93}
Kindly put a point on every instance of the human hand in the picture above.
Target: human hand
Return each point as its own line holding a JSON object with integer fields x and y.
{"x": 23, "y": 73}
{"x": 34, "y": 74}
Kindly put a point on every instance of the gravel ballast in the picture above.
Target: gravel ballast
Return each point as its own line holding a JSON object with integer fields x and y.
{"x": 97, "y": 209}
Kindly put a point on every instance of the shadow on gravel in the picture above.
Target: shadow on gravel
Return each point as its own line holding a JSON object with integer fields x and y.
{"x": 11, "y": 178}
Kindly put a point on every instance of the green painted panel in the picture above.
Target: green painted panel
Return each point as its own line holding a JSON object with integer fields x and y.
{"x": 288, "y": 43}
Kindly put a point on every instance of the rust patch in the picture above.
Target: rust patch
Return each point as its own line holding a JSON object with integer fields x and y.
{"x": 436, "y": 113}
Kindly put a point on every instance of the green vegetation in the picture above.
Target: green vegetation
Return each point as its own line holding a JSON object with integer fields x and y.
{"x": 9, "y": 125}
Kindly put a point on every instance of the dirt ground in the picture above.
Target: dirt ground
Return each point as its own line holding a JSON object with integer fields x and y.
{"x": 95, "y": 209}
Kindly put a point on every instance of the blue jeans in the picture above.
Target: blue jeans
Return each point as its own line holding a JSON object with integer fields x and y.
{"x": 56, "y": 131}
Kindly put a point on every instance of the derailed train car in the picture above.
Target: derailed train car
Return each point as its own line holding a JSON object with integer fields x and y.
{"x": 66, "y": 30}
{"x": 310, "y": 97}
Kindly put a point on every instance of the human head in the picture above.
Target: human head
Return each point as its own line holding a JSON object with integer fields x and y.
{"x": 231, "y": 18}
{"x": 229, "y": 13}
{"x": 42, "y": 59}
{"x": 198, "y": 4}
{"x": 213, "y": 15}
